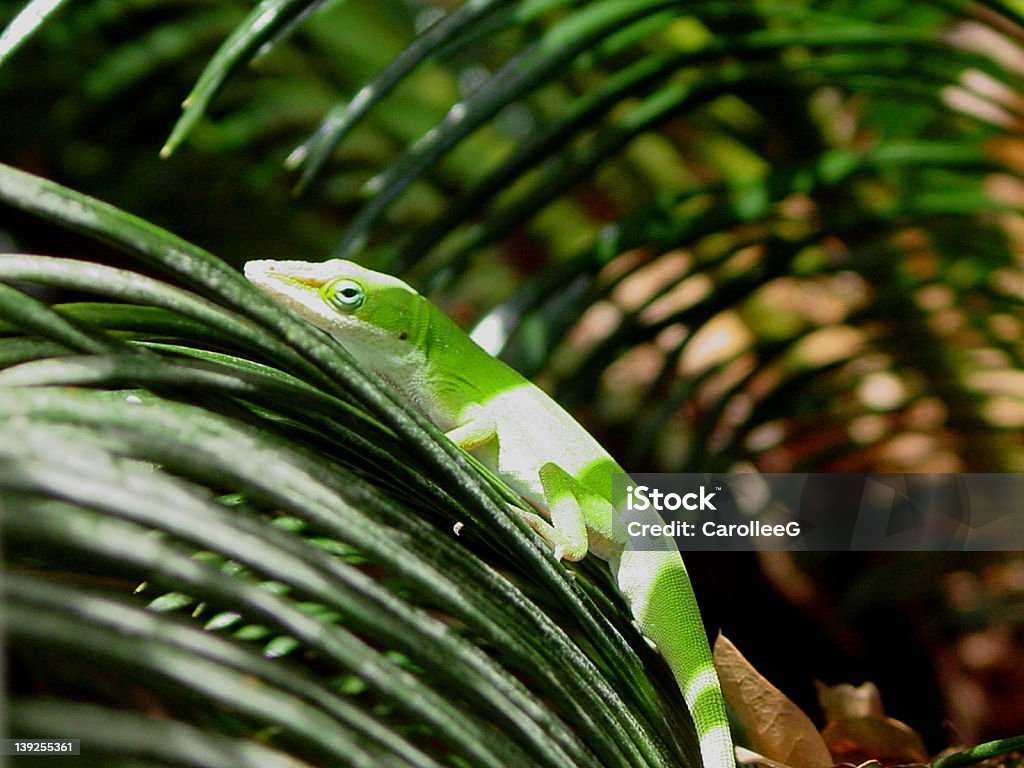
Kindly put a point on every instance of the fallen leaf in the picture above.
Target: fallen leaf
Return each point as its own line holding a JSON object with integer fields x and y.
{"x": 839, "y": 702}
{"x": 775, "y": 726}
{"x": 746, "y": 756}
{"x": 858, "y": 730}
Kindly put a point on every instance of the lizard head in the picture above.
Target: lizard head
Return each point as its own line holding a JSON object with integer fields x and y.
{"x": 376, "y": 317}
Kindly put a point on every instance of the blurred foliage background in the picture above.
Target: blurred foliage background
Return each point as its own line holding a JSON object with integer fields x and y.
{"x": 772, "y": 236}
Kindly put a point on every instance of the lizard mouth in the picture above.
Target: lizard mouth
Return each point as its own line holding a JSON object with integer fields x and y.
{"x": 264, "y": 272}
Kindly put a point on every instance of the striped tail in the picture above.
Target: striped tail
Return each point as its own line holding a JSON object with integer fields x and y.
{"x": 662, "y": 602}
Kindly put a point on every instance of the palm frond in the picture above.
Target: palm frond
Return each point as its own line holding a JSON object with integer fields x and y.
{"x": 219, "y": 445}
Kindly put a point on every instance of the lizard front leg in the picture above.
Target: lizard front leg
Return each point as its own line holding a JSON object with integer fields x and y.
{"x": 567, "y": 514}
{"x": 567, "y": 533}
{"x": 480, "y": 430}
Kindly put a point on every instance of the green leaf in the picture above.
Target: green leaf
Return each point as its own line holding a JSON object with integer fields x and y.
{"x": 22, "y": 26}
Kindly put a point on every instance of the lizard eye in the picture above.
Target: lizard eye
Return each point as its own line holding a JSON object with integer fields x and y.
{"x": 346, "y": 295}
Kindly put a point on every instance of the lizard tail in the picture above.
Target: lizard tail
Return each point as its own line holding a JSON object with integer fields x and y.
{"x": 662, "y": 602}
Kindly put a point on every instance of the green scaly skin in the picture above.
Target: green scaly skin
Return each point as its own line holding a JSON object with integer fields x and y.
{"x": 523, "y": 436}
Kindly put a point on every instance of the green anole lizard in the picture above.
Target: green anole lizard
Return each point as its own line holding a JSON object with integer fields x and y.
{"x": 524, "y": 437}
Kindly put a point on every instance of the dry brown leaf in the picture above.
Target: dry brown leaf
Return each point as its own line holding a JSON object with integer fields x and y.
{"x": 776, "y": 727}
{"x": 842, "y": 701}
{"x": 858, "y": 729}
{"x": 746, "y": 756}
